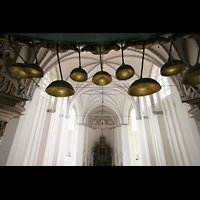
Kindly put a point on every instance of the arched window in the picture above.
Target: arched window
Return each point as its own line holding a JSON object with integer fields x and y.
{"x": 46, "y": 82}
{"x": 165, "y": 90}
{"x": 110, "y": 124}
{"x": 94, "y": 124}
{"x": 102, "y": 124}
{"x": 47, "y": 79}
{"x": 148, "y": 100}
{"x": 72, "y": 120}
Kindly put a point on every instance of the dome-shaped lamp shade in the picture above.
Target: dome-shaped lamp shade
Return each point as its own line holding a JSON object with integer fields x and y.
{"x": 172, "y": 67}
{"x": 192, "y": 75}
{"x": 18, "y": 69}
{"x": 60, "y": 88}
{"x": 34, "y": 70}
{"x": 78, "y": 74}
{"x": 101, "y": 78}
{"x": 124, "y": 72}
{"x": 143, "y": 87}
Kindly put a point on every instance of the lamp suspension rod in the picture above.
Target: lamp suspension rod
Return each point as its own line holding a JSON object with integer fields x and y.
{"x": 142, "y": 60}
{"x": 102, "y": 110}
{"x": 35, "y": 55}
{"x": 170, "y": 50}
{"x": 79, "y": 54}
{"x": 102, "y": 102}
{"x": 59, "y": 62}
{"x": 15, "y": 49}
{"x": 35, "y": 83}
{"x": 198, "y": 57}
{"x": 122, "y": 53}
{"x": 100, "y": 57}
{"x": 33, "y": 50}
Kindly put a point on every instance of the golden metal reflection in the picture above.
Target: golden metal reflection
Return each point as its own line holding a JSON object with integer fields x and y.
{"x": 124, "y": 72}
{"x": 102, "y": 78}
{"x": 34, "y": 70}
{"x": 78, "y": 74}
{"x": 18, "y": 69}
{"x": 60, "y": 88}
{"x": 192, "y": 75}
{"x": 26, "y": 70}
{"x": 172, "y": 67}
{"x": 143, "y": 87}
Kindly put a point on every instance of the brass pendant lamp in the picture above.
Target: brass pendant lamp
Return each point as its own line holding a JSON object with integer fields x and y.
{"x": 25, "y": 70}
{"x": 192, "y": 75}
{"x": 34, "y": 70}
{"x": 172, "y": 67}
{"x": 18, "y": 68}
{"x": 143, "y": 86}
{"x": 102, "y": 77}
{"x": 79, "y": 74}
{"x": 124, "y": 72}
{"x": 60, "y": 88}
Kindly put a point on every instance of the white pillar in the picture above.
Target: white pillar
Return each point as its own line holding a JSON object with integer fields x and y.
{"x": 61, "y": 135}
{"x": 143, "y": 143}
{"x": 36, "y": 130}
{"x": 49, "y": 146}
{"x": 23, "y": 132}
{"x": 119, "y": 158}
{"x": 125, "y": 145}
{"x": 79, "y": 156}
{"x": 63, "y": 142}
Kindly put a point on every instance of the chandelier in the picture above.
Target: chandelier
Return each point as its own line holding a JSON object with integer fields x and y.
{"x": 140, "y": 87}
{"x": 60, "y": 88}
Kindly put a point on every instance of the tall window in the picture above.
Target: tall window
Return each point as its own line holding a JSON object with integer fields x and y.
{"x": 46, "y": 82}
{"x": 94, "y": 124}
{"x": 102, "y": 124}
{"x": 133, "y": 120}
{"x": 72, "y": 120}
{"x": 148, "y": 100}
{"x": 110, "y": 124}
{"x": 47, "y": 79}
{"x": 165, "y": 91}
{"x": 142, "y": 103}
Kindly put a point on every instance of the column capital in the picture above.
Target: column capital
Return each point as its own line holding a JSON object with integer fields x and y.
{"x": 124, "y": 124}
{"x": 80, "y": 124}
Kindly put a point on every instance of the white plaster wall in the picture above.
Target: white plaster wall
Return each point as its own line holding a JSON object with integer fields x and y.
{"x": 42, "y": 138}
{"x": 22, "y": 132}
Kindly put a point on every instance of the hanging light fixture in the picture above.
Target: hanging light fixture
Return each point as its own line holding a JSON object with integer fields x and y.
{"x": 172, "y": 67}
{"x": 102, "y": 110}
{"x": 34, "y": 70}
{"x": 25, "y": 70}
{"x": 79, "y": 74}
{"x": 101, "y": 78}
{"x": 192, "y": 75}
{"x": 143, "y": 86}
{"x": 18, "y": 68}
{"x": 60, "y": 88}
{"x": 124, "y": 72}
